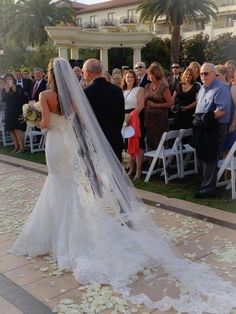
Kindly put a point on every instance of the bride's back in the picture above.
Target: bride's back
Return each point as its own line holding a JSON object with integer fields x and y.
{"x": 52, "y": 101}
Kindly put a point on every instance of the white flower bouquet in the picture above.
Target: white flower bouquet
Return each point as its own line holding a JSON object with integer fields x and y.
{"x": 32, "y": 113}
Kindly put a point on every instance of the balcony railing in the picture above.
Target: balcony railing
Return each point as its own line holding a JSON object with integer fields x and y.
{"x": 128, "y": 20}
{"x": 108, "y": 23}
{"x": 89, "y": 25}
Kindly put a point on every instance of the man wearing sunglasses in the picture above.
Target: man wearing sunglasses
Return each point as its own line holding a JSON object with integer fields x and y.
{"x": 140, "y": 69}
{"x": 212, "y": 118}
{"x": 174, "y": 79}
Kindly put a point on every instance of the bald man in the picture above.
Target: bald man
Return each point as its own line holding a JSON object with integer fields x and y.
{"x": 213, "y": 110}
{"x": 107, "y": 101}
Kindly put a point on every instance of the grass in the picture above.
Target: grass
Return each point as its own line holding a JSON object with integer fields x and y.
{"x": 181, "y": 188}
{"x": 36, "y": 157}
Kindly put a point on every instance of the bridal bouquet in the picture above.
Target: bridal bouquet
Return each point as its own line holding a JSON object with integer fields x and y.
{"x": 32, "y": 113}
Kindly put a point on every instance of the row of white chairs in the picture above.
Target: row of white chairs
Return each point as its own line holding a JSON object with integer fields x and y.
{"x": 172, "y": 154}
{"x": 34, "y": 138}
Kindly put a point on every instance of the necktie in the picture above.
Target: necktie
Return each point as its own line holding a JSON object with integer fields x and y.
{"x": 35, "y": 89}
{"x": 19, "y": 83}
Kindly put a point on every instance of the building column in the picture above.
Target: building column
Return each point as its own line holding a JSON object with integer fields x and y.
{"x": 74, "y": 53}
{"x": 62, "y": 51}
{"x": 104, "y": 58}
{"x": 209, "y": 28}
{"x": 136, "y": 55}
{"x": 234, "y": 31}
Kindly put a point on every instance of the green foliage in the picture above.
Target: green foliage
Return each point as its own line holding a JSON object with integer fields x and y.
{"x": 157, "y": 50}
{"x": 176, "y": 12}
{"x": 119, "y": 57}
{"x": 30, "y": 17}
{"x": 221, "y": 49}
{"x": 41, "y": 56}
{"x": 194, "y": 49}
{"x": 85, "y": 54}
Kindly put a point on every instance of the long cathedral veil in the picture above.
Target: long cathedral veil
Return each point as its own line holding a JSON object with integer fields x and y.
{"x": 110, "y": 187}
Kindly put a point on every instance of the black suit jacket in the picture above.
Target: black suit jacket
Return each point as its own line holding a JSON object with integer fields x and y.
{"x": 27, "y": 83}
{"x": 144, "y": 81}
{"x": 41, "y": 88}
{"x": 107, "y": 101}
{"x": 173, "y": 83}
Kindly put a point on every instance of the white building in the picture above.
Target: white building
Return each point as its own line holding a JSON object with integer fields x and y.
{"x": 116, "y": 24}
{"x": 121, "y": 16}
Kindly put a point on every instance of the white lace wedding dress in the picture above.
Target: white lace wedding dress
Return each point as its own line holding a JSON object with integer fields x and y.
{"x": 87, "y": 237}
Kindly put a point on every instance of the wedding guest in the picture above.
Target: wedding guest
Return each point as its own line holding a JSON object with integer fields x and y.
{"x": 157, "y": 102}
{"x": 141, "y": 72}
{"x": 231, "y": 67}
{"x": 116, "y": 79}
{"x": 78, "y": 72}
{"x": 196, "y": 67}
{"x": 107, "y": 76}
{"x": 13, "y": 96}
{"x": 24, "y": 83}
{"x": 134, "y": 103}
{"x": 221, "y": 74}
{"x": 174, "y": 79}
{"x": 212, "y": 118}
{"x": 184, "y": 100}
{"x": 39, "y": 85}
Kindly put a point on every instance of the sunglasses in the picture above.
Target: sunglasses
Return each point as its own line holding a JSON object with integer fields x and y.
{"x": 175, "y": 67}
{"x": 139, "y": 67}
{"x": 204, "y": 73}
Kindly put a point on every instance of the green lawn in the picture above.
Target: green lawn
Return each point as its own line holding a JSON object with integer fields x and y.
{"x": 181, "y": 188}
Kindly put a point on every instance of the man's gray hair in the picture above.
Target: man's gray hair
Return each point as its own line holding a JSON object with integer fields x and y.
{"x": 38, "y": 69}
{"x": 140, "y": 63}
{"x": 93, "y": 66}
{"x": 210, "y": 66}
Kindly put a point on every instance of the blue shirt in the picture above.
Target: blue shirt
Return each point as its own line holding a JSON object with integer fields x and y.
{"x": 215, "y": 96}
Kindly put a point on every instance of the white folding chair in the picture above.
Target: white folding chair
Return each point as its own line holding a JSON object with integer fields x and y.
{"x": 187, "y": 154}
{"x": 5, "y": 137}
{"x": 165, "y": 152}
{"x": 229, "y": 163}
{"x": 35, "y": 139}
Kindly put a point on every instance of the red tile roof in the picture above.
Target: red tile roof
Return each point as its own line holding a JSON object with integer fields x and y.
{"x": 75, "y": 5}
{"x": 108, "y": 5}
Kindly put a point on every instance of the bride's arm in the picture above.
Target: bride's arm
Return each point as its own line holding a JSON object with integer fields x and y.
{"x": 45, "y": 122}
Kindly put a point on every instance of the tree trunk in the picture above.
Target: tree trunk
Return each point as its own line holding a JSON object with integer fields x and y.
{"x": 175, "y": 43}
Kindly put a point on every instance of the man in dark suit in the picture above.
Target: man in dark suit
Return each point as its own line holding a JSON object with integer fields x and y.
{"x": 174, "y": 79}
{"x": 107, "y": 101}
{"x": 38, "y": 85}
{"x": 140, "y": 69}
{"x": 24, "y": 83}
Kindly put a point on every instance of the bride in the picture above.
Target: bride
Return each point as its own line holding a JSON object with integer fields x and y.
{"x": 89, "y": 218}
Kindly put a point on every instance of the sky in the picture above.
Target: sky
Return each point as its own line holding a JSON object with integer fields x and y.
{"x": 91, "y": 1}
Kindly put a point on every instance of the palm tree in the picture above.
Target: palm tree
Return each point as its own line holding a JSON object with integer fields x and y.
{"x": 176, "y": 12}
{"x": 26, "y": 20}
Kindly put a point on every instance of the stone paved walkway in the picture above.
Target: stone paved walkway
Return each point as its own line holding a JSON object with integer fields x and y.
{"x": 35, "y": 286}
